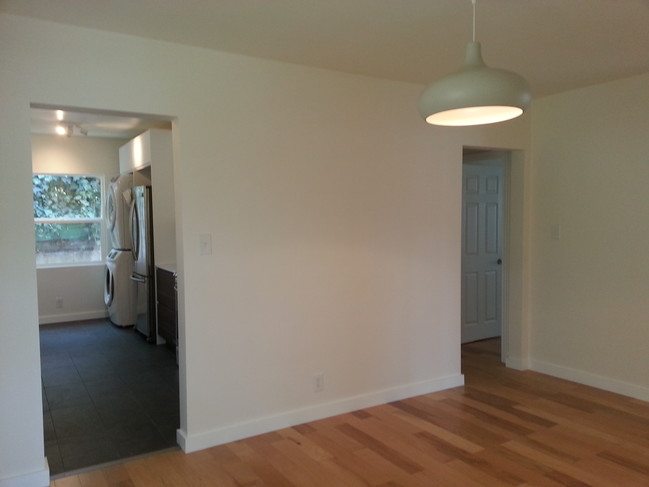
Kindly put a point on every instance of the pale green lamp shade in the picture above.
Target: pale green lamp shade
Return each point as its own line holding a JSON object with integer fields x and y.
{"x": 475, "y": 95}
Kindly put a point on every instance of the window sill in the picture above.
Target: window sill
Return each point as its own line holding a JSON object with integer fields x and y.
{"x": 65, "y": 266}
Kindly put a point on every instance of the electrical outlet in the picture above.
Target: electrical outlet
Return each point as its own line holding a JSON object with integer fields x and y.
{"x": 318, "y": 382}
{"x": 59, "y": 303}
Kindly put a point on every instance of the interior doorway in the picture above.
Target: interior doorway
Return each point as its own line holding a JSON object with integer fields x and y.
{"x": 484, "y": 246}
{"x": 108, "y": 393}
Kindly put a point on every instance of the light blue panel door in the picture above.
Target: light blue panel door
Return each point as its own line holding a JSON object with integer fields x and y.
{"x": 482, "y": 229}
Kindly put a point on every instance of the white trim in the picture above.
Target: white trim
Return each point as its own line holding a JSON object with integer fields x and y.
{"x": 65, "y": 221}
{"x": 517, "y": 363}
{"x": 181, "y": 439}
{"x": 593, "y": 380}
{"x": 77, "y": 316}
{"x": 98, "y": 263}
{"x": 227, "y": 434}
{"x": 39, "y": 478}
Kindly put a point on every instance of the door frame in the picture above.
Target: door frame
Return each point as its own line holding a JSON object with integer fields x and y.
{"x": 501, "y": 158}
{"x": 181, "y": 357}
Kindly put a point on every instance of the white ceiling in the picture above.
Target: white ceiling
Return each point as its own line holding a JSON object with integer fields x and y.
{"x": 557, "y": 45}
{"x": 92, "y": 123}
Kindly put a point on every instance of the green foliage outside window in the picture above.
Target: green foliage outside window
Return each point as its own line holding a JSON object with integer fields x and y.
{"x": 67, "y": 213}
{"x": 57, "y": 196}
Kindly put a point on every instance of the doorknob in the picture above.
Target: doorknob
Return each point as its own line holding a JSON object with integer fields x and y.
{"x": 500, "y": 261}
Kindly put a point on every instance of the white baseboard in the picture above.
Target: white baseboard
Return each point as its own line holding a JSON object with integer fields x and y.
{"x": 590, "y": 379}
{"x": 39, "y": 478}
{"x": 200, "y": 441}
{"x": 517, "y": 363}
{"x": 77, "y": 316}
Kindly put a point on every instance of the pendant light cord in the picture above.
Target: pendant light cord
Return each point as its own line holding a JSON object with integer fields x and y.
{"x": 473, "y": 2}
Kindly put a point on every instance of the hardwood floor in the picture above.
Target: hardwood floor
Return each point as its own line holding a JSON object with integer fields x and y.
{"x": 503, "y": 428}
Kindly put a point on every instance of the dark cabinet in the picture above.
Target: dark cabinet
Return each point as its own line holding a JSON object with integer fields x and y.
{"x": 167, "y": 305}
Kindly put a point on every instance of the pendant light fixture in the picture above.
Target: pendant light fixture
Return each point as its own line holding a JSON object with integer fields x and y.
{"x": 476, "y": 94}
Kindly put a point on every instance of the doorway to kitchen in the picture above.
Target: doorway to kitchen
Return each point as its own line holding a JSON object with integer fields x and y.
{"x": 109, "y": 391}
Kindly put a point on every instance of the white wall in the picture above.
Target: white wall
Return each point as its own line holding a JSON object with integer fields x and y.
{"x": 80, "y": 287}
{"x": 591, "y": 286}
{"x": 334, "y": 213}
{"x": 76, "y": 155}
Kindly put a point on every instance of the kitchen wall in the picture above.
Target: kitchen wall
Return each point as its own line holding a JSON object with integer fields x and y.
{"x": 590, "y": 310}
{"x": 80, "y": 287}
{"x": 334, "y": 214}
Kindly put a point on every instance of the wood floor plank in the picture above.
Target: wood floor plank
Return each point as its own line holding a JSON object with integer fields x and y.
{"x": 486, "y": 414}
{"x": 199, "y": 470}
{"x": 332, "y": 440}
{"x": 505, "y": 409}
{"x": 68, "y": 482}
{"x": 441, "y": 475}
{"x": 611, "y": 400}
{"x": 116, "y": 476}
{"x": 381, "y": 448}
{"x": 93, "y": 479}
{"x": 560, "y": 470}
{"x": 440, "y": 433}
{"x": 322, "y": 468}
{"x": 484, "y": 473}
{"x": 617, "y": 432}
{"x": 155, "y": 471}
{"x": 308, "y": 452}
{"x": 391, "y": 430}
{"x": 566, "y": 442}
{"x": 445, "y": 475}
{"x": 241, "y": 472}
{"x": 490, "y": 432}
{"x": 627, "y": 459}
{"x": 614, "y": 473}
{"x": 260, "y": 465}
{"x": 531, "y": 474}
{"x": 284, "y": 464}
{"x": 408, "y": 431}
{"x": 462, "y": 427}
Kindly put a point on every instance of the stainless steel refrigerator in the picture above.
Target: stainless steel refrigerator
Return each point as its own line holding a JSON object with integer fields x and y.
{"x": 143, "y": 266}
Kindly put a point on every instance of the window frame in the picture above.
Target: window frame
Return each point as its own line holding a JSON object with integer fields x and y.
{"x": 67, "y": 221}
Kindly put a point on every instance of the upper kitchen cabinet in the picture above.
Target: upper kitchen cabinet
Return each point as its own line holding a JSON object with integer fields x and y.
{"x": 149, "y": 156}
{"x": 138, "y": 153}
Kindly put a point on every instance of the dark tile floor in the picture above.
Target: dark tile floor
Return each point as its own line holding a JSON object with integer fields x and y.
{"x": 107, "y": 394}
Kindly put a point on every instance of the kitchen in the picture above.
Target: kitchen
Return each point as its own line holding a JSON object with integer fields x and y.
{"x": 105, "y": 374}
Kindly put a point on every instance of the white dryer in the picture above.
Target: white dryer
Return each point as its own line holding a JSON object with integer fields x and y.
{"x": 118, "y": 204}
{"x": 120, "y": 291}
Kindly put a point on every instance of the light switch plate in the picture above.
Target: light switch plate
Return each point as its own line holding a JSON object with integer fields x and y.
{"x": 205, "y": 244}
{"x": 555, "y": 232}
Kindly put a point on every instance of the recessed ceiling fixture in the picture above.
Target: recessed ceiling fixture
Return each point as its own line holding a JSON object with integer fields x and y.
{"x": 69, "y": 129}
{"x": 476, "y": 94}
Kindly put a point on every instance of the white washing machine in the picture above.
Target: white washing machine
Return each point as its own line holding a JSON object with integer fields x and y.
{"x": 120, "y": 291}
{"x": 118, "y": 204}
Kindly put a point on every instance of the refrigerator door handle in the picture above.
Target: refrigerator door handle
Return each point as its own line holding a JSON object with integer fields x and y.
{"x": 135, "y": 231}
{"x": 138, "y": 278}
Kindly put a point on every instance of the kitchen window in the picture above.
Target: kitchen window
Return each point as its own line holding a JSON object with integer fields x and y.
{"x": 68, "y": 219}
